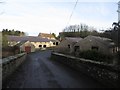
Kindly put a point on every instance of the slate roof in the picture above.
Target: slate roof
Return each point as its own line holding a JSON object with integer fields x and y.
{"x": 54, "y": 40}
{"x": 105, "y": 41}
{"x": 28, "y": 38}
{"x": 21, "y": 43}
{"x": 73, "y": 39}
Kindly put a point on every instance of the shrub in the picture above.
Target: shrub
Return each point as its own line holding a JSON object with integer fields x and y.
{"x": 96, "y": 56}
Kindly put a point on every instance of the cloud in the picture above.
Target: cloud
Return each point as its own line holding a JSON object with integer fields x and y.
{"x": 33, "y": 24}
{"x": 34, "y": 16}
{"x": 32, "y": 1}
{"x": 33, "y": 20}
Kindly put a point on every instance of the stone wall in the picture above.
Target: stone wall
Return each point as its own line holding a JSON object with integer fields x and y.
{"x": 10, "y": 64}
{"x": 106, "y": 74}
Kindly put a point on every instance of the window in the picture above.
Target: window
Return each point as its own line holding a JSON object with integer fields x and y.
{"x": 44, "y": 46}
{"x": 68, "y": 46}
{"x": 95, "y": 48}
{"x": 56, "y": 43}
{"x": 40, "y": 45}
{"x": 76, "y": 48}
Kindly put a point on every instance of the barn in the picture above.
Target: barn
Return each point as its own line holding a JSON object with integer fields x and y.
{"x": 66, "y": 45}
{"x": 104, "y": 45}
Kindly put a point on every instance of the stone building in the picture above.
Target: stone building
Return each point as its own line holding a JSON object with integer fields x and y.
{"x": 66, "y": 45}
{"x": 104, "y": 45}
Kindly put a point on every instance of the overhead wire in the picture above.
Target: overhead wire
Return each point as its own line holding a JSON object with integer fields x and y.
{"x": 72, "y": 13}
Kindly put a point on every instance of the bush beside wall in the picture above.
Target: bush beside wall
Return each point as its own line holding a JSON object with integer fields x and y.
{"x": 96, "y": 56}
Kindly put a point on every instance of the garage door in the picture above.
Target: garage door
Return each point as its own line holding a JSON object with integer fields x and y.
{"x": 27, "y": 49}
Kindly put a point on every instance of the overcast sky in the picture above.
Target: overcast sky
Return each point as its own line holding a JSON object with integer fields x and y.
{"x": 48, "y": 16}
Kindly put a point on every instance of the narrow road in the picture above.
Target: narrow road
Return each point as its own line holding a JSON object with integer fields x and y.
{"x": 38, "y": 71}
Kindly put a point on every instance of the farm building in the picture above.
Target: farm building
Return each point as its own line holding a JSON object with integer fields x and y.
{"x": 100, "y": 44}
{"x": 54, "y": 42}
{"x": 66, "y": 45}
{"x": 25, "y": 46}
{"x": 38, "y": 42}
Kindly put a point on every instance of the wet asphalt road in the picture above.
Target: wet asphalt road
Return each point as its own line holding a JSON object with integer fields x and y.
{"x": 38, "y": 71}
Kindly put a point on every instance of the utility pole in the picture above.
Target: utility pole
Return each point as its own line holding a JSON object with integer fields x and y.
{"x": 1, "y": 11}
{"x": 118, "y": 11}
{"x": 118, "y": 22}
